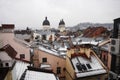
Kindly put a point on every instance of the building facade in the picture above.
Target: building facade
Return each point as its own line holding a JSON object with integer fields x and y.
{"x": 56, "y": 63}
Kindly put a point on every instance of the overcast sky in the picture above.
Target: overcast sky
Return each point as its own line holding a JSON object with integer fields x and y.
{"x": 31, "y": 13}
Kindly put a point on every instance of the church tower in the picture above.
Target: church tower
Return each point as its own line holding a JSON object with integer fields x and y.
{"x": 46, "y": 24}
{"x": 61, "y": 26}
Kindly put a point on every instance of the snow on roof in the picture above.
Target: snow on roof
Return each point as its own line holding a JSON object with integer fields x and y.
{"x": 85, "y": 67}
{"x": 19, "y": 69}
{"x": 83, "y": 40}
{"x": 91, "y": 73}
{"x": 63, "y": 53}
{"x": 63, "y": 48}
{"x": 51, "y": 51}
{"x": 47, "y": 50}
{"x": 88, "y": 42}
{"x": 34, "y": 75}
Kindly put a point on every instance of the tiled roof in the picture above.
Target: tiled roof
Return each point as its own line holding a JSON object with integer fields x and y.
{"x": 10, "y": 51}
{"x": 94, "y": 31}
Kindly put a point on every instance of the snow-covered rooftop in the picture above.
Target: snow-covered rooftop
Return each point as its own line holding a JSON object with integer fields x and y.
{"x": 87, "y": 67}
{"x": 48, "y": 50}
{"x": 19, "y": 69}
{"x": 34, "y": 75}
{"x": 82, "y": 40}
{"x": 51, "y": 50}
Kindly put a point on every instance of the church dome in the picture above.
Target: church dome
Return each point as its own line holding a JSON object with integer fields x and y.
{"x": 62, "y": 22}
{"x": 46, "y": 22}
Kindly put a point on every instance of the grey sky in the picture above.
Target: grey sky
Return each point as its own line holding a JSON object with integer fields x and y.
{"x": 31, "y": 13}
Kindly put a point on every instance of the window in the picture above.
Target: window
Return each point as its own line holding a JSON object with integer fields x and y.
{"x": 22, "y": 56}
{"x": 44, "y": 59}
{"x": 58, "y": 70}
{"x": 6, "y": 64}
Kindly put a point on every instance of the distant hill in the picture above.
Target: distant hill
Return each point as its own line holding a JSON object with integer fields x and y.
{"x": 85, "y": 25}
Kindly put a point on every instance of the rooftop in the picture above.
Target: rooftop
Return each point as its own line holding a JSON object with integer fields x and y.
{"x": 20, "y": 46}
{"x": 87, "y": 66}
{"x": 58, "y": 51}
{"x": 83, "y": 40}
{"x": 10, "y": 51}
{"x": 19, "y": 68}
{"x": 34, "y": 75}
